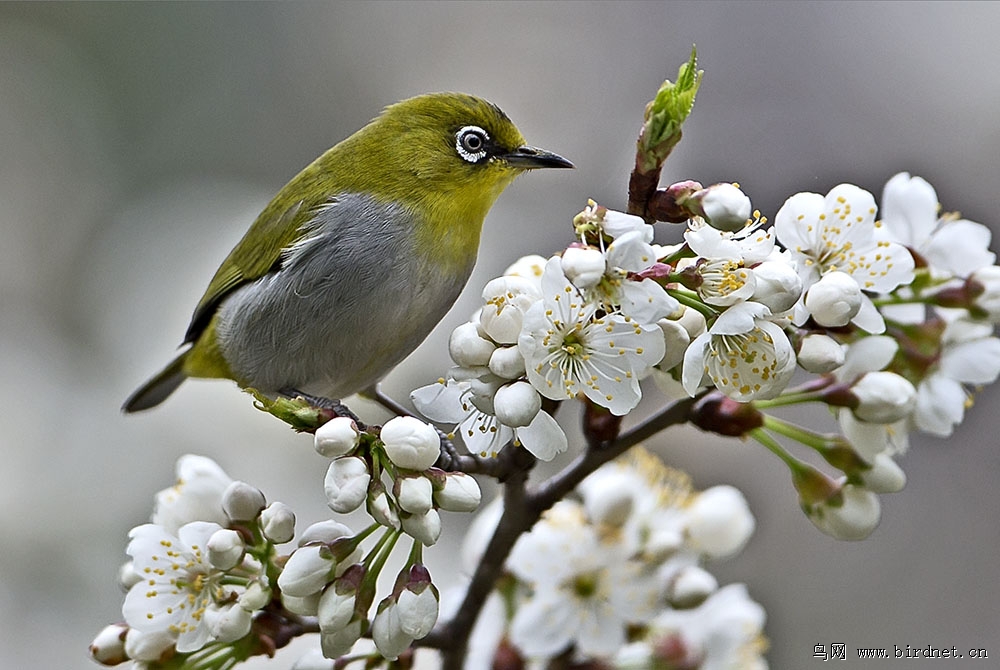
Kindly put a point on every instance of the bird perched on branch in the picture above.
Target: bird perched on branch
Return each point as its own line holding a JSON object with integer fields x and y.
{"x": 358, "y": 257}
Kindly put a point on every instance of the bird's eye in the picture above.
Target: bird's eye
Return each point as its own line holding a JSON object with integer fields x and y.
{"x": 470, "y": 142}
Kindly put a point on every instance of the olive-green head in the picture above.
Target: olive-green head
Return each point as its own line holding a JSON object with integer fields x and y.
{"x": 442, "y": 142}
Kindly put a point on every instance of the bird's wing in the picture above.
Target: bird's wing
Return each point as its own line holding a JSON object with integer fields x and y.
{"x": 276, "y": 229}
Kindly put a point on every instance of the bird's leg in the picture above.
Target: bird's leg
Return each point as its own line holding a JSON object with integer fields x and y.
{"x": 449, "y": 454}
{"x": 330, "y": 404}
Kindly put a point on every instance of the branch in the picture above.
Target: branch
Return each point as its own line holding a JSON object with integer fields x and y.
{"x": 521, "y": 510}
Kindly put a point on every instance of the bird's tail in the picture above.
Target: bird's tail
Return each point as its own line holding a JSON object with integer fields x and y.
{"x": 156, "y": 390}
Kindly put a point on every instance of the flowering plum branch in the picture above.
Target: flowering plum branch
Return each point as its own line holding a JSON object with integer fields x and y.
{"x": 884, "y": 316}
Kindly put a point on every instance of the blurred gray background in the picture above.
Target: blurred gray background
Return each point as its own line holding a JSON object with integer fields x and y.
{"x": 137, "y": 142}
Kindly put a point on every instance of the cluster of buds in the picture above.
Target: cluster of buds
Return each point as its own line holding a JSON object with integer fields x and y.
{"x": 393, "y": 475}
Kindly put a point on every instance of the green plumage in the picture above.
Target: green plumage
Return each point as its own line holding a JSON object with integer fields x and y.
{"x": 405, "y": 184}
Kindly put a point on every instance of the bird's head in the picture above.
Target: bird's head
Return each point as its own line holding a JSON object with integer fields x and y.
{"x": 442, "y": 147}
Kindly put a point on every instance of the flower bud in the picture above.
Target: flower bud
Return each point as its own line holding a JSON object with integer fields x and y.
{"x": 517, "y": 404}
{"x": 528, "y": 267}
{"x": 381, "y": 508}
{"x": 676, "y": 340}
{"x": 986, "y": 283}
{"x": 884, "y": 397}
{"x": 820, "y": 354}
{"x": 128, "y": 576}
{"x": 337, "y": 604}
{"x": 854, "y": 518}
{"x": 719, "y": 521}
{"x": 227, "y": 623}
{"x": 690, "y": 586}
{"x": 724, "y": 206}
{"x": 460, "y": 493}
{"x": 834, "y": 300}
{"x": 778, "y": 286}
{"x": 325, "y": 532}
{"x": 506, "y": 299}
{"x": 387, "y": 634}
{"x": 337, "y": 437}
{"x": 307, "y": 571}
{"x": 340, "y": 642}
{"x": 418, "y": 604}
{"x": 149, "y": 646}
{"x": 414, "y": 494}
{"x": 467, "y": 348}
{"x": 425, "y": 528}
{"x": 693, "y": 322}
{"x": 307, "y": 606}
{"x": 277, "y": 522}
{"x": 225, "y": 549}
{"x": 346, "y": 484}
{"x": 507, "y": 362}
{"x": 108, "y": 648}
{"x": 242, "y": 502}
{"x": 583, "y": 266}
{"x": 256, "y": 596}
{"x": 885, "y": 475}
{"x": 410, "y": 443}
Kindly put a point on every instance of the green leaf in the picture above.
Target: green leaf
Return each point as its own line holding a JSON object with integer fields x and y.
{"x": 666, "y": 113}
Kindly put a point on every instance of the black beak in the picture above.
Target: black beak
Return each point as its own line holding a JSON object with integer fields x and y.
{"x": 530, "y": 158}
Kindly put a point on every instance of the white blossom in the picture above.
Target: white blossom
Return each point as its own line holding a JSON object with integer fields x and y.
{"x": 483, "y": 433}
{"x": 950, "y": 245}
{"x": 195, "y": 496}
{"x": 969, "y": 354}
{"x": 505, "y": 300}
{"x": 723, "y": 633}
{"x": 181, "y": 584}
{"x": 745, "y": 355}
{"x": 837, "y": 233}
{"x": 583, "y": 592}
{"x": 569, "y": 349}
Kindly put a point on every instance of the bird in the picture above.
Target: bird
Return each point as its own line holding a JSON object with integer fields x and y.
{"x": 356, "y": 259}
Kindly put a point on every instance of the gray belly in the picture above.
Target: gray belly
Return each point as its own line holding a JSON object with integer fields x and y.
{"x": 347, "y": 304}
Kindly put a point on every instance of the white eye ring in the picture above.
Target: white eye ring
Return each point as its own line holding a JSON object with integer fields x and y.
{"x": 470, "y": 143}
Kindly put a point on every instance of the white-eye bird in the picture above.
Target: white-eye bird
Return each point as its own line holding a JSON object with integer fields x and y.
{"x": 358, "y": 257}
